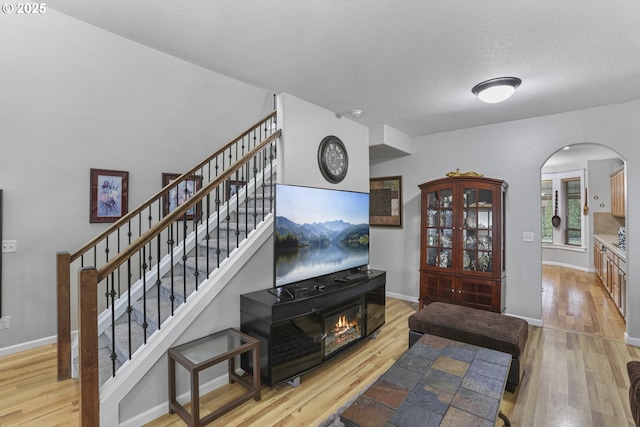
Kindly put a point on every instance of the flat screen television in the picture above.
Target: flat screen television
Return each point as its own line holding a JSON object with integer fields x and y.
{"x": 318, "y": 232}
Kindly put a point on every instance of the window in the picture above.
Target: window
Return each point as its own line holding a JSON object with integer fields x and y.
{"x": 561, "y": 193}
{"x": 547, "y": 211}
{"x": 573, "y": 209}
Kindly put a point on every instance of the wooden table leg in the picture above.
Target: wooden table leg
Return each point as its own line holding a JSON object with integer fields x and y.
{"x": 172, "y": 383}
{"x": 256, "y": 371}
{"x": 195, "y": 399}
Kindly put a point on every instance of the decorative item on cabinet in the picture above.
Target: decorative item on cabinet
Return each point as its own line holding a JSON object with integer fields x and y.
{"x": 462, "y": 241}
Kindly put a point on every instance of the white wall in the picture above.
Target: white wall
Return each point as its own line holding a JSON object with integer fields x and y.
{"x": 75, "y": 97}
{"x": 304, "y": 126}
{"x": 513, "y": 151}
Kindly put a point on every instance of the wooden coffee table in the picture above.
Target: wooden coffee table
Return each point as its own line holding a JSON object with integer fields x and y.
{"x": 203, "y": 353}
{"x": 437, "y": 382}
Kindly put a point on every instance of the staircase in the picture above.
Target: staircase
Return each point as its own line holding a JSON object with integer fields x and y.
{"x": 152, "y": 272}
{"x": 155, "y": 307}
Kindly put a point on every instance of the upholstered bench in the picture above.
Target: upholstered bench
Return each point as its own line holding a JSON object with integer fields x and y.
{"x": 486, "y": 329}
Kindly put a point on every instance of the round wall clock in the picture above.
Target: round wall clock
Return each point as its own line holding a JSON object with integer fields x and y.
{"x": 333, "y": 159}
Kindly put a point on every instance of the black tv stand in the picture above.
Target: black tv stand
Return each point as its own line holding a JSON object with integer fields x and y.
{"x": 293, "y": 330}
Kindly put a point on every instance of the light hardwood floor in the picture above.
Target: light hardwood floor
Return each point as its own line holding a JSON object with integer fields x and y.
{"x": 575, "y": 373}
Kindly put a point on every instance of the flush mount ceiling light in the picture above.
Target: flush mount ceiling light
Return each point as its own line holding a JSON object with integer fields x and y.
{"x": 496, "y": 90}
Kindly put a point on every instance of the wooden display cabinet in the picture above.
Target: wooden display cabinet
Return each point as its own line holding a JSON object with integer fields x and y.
{"x": 462, "y": 242}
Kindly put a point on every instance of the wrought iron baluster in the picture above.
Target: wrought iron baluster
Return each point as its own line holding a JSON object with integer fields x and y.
{"x": 106, "y": 255}
{"x": 218, "y": 202}
{"x": 145, "y": 325}
{"x": 113, "y": 356}
{"x": 118, "y": 244}
{"x": 171, "y": 244}
{"x": 139, "y": 234}
{"x": 238, "y": 178}
{"x": 251, "y": 175}
{"x": 184, "y": 262}
{"x": 129, "y": 308}
{"x": 255, "y": 189}
{"x": 195, "y": 248}
{"x": 158, "y": 281}
{"x": 207, "y": 236}
{"x": 263, "y": 159}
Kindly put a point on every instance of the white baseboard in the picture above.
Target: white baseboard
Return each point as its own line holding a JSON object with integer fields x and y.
{"x": 29, "y": 345}
{"x": 631, "y": 341}
{"x": 401, "y": 297}
{"x": 163, "y": 409}
{"x": 573, "y": 267}
{"x": 529, "y": 320}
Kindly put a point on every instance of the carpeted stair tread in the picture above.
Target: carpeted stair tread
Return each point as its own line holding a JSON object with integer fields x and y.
{"x": 105, "y": 368}
{"x": 152, "y": 312}
{"x": 122, "y": 339}
{"x": 178, "y": 287}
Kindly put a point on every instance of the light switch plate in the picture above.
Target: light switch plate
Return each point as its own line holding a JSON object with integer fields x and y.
{"x": 527, "y": 236}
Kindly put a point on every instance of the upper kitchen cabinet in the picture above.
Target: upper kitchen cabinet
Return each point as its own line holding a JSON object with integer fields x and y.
{"x": 617, "y": 192}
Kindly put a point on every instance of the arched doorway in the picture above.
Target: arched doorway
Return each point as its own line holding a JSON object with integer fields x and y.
{"x": 576, "y": 210}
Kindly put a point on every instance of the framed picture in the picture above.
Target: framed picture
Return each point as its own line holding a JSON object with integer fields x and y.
{"x": 233, "y": 186}
{"x": 385, "y": 201}
{"x": 179, "y": 194}
{"x": 109, "y": 194}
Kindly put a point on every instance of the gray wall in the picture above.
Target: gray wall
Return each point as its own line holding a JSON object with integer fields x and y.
{"x": 76, "y": 97}
{"x": 514, "y": 151}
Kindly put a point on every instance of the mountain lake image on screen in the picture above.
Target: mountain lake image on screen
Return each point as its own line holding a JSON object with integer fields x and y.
{"x": 319, "y": 232}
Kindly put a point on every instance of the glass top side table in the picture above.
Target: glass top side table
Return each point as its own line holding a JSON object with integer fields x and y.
{"x": 203, "y": 353}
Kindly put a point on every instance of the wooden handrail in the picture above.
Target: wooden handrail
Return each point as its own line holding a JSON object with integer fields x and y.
{"x": 177, "y": 213}
{"x": 130, "y": 215}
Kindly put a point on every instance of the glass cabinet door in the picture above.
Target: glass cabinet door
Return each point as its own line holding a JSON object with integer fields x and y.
{"x": 440, "y": 228}
{"x": 477, "y": 228}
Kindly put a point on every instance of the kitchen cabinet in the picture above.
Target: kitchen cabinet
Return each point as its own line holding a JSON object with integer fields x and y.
{"x": 617, "y": 193}
{"x": 610, "y": 266}
{"x": 598, "y": 262}
{"x": 617, "y": 281}
{"x": 462, "y": 242}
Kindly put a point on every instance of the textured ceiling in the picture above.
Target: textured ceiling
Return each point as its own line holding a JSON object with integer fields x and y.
{"x": 408, "y": 64}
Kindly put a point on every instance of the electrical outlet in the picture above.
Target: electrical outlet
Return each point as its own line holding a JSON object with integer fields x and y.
{"x": 527, "y": 236}
{"x": 4, "y": 323}
{"x": 9, "y": 246}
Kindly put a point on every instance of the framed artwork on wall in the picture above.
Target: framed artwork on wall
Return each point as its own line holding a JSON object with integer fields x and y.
{"x": 109, "y": 195}
{"x": 385, "y": 201}
{"x": 179, "y": 194}
{"x": 233, "y": 186}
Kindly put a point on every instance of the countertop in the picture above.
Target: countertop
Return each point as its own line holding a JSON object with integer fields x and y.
{"x": 611, "y": 242}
